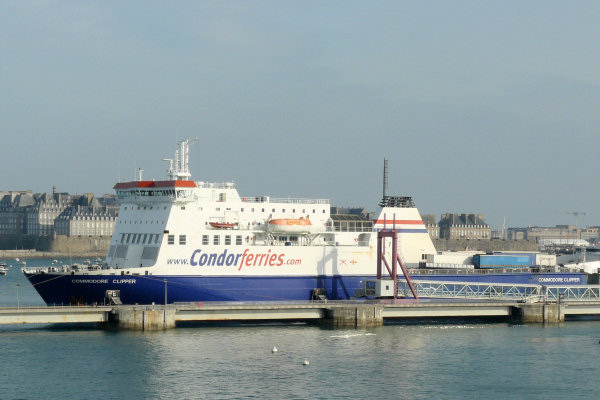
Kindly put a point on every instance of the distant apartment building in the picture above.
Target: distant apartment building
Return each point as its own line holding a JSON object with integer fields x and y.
{"x": 565, "y": 233}
{"x": 464, "y": 226}
{"x": 431, "y": 225}
{"x": 89, "y": 216}
{"x": 516, "y": 233}
{"x": 590, "y": 234}
{"x": 25, "y": 213}
{"x": 13, "y": 206}
{"x": 40, "y": 216}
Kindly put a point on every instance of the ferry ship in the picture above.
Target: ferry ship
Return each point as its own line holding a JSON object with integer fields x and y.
{"x": 180, "y": 240}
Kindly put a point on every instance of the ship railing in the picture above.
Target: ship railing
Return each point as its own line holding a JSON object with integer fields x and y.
{"x": 63, "y": 268}
{"x": 215, "y": 185}
{"x": 363, "y": 229}
{"x": 470, "y": 270}
{"x": 267, "y": 199}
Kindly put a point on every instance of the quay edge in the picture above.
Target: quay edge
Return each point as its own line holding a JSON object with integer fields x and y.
{"x": 331, "y": 315}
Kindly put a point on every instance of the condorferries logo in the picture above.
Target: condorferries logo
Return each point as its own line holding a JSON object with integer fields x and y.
{"x": 245, "y": 259}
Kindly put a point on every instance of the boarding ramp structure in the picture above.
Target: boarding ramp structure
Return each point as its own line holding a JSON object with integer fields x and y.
{"x": 454, "y": 290}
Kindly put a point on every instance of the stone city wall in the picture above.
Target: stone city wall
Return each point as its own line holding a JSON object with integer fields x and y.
{"x": 42, "y": 246}
{"x": 484, "y": 245}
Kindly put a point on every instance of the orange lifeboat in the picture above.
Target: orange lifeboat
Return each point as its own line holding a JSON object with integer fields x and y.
{"x": 223, "y": 225}
{"x": 290, "y": 225}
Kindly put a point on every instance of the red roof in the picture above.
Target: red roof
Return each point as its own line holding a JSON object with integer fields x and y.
{"x": 154, "y": 184}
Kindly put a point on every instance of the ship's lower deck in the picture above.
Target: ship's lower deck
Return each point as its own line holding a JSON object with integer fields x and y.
{"x": 147, "y": 289}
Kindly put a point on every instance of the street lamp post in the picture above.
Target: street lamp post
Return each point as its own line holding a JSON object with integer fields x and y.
{"x": 165, "y": 280}
{"x": 165, "y": 313}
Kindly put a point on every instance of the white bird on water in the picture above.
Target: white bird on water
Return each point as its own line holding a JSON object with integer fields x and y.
{"x": 305, "y": 362}
{"x": 274, "y": 349}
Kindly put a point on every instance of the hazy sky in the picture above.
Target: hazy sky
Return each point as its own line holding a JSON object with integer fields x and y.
{"x": 484, "y": 107}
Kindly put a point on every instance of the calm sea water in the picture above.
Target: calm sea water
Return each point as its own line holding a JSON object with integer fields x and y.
{"x": 418, "y": 361}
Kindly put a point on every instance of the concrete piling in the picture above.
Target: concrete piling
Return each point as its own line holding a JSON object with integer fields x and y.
{"x": 540, "y": 313}
{"x": 354, "y": 316}
{"x": 143, "y": 318}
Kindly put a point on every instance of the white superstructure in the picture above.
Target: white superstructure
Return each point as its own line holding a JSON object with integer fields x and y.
{"x": 182, "y": 227}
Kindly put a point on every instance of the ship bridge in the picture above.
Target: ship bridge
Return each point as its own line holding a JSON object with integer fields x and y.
{"x": 155, "y": 191}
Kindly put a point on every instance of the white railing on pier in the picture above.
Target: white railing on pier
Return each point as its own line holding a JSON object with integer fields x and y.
{"x": 573, "y": 293}
{"x": 470, "y": 290}
{"x": 499, "y": 291}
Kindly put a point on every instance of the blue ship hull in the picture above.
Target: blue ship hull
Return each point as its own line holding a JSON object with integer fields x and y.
{"x": 146, "y": 289}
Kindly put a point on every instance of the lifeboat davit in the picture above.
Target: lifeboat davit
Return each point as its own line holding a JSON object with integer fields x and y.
{"x": 223, "y": 225}
{"x": 295, "y": 225}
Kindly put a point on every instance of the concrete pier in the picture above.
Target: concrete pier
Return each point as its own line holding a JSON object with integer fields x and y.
{"x": 342, "y": 314}
{"x": 354, "y": 316}
{"x": 541, "y": 313}
{"x": 144, "y": 318}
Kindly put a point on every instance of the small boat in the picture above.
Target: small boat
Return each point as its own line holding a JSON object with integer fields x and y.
{"x": 290, "y": 225}
{"x": 3, "y": 269}
{"x": 223, "y": 225}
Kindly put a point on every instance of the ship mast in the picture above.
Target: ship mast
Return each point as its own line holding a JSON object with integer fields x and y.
{"x": 385, "y": 177}
{"x": 179, "y": 168}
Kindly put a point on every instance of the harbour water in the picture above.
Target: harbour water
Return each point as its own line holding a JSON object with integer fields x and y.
{"x": 438, "y": 360}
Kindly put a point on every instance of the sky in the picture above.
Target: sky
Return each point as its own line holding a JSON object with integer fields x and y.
{"x": 479, "y": 107}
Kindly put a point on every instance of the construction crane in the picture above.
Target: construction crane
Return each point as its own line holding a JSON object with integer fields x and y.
{"x": 576, "y": 214}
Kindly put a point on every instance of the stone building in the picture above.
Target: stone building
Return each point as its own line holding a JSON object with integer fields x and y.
{"x": 516, "y": 233}
{"x": 464, "y": 226}
{"x": 432, "y": 226}
{"x": 88, "y": 216}
{"x": 13, "y": 206}
{"x": 23, "y": 213}
{"x": 590, "y": 234}
{"x": 40, "y": 216}
{"x": 565, "y": 233}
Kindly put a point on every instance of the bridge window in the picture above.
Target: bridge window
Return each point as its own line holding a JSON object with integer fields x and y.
{"x": 205, "y": 240}
{"x": 238, "y": 240}
{"x": 182, "y": 239}
{"x": 216, "y": 240}
{"x": 227, "y": 240}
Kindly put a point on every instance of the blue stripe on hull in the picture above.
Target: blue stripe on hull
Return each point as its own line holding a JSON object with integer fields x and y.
{"x": 88, "y": 289}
